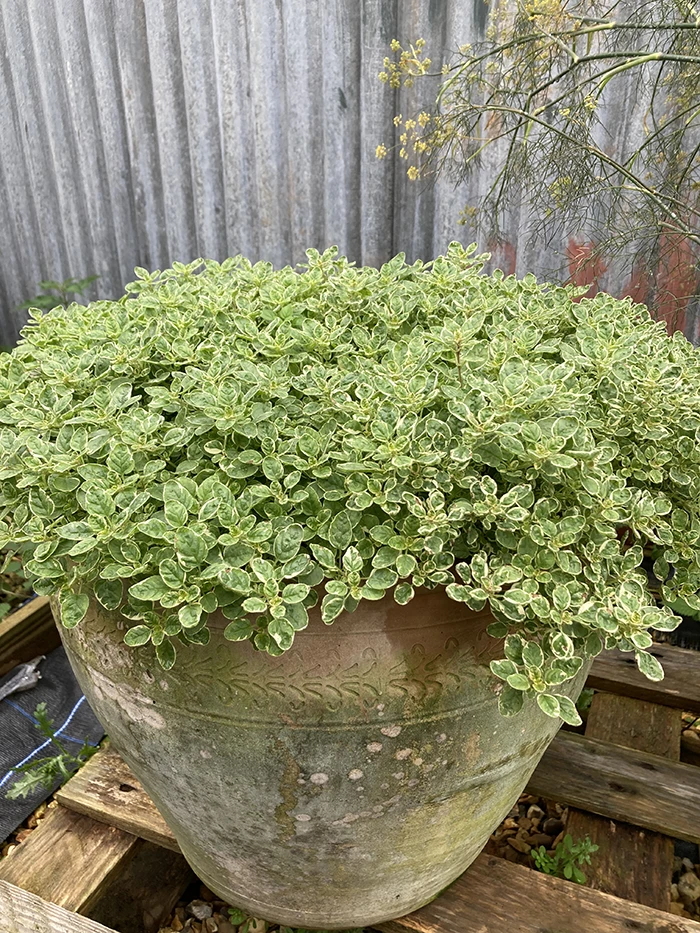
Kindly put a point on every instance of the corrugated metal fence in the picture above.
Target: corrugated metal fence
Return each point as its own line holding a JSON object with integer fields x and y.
{"x": 138, "y": 132}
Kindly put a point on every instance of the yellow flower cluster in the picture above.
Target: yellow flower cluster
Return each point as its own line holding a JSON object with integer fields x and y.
{"x": 411, "y": 137}
{"x": 467, "y": 215}
{"x": 400, "y": 72}
{"x": 408, "y": 66}
{"x": 558, "y": 189}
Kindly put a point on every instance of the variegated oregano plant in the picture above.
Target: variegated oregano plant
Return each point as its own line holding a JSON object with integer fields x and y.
{"x": 230, "y": 437}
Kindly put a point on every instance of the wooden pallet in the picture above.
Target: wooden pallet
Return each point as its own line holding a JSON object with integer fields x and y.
{"x": 27, "y": 633}
{"x": 106, "y": 845}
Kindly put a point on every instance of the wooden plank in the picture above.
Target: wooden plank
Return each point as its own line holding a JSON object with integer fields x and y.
{"x": 68, "y": 859}
{"x": 106, "y": 789}
{"x": 496, "y": 896}
{"x": 22, "y": 912}
{"x": 99, "y": 871}
{"x": 630, "y": 862}
{"x": 622, "y": 784}
{"x": 615, "y": 672}
{"x": 141, "y": 896}
{"x": 27, "y": 633}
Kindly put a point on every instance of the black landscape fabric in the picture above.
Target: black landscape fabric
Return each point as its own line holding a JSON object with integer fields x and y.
{"x": 21, "y": 741}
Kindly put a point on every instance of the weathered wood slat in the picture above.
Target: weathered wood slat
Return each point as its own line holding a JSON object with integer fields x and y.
{"x": 615, "y": 672}
{"x": 68, "y": 859}
{"x": 99, "y": 871}
{"x": 27, "y": 633}
{"x": 140, "y": 896}
{"x": 496, "y": 896}
{"x": 622, "y": 784}
{"x": 106, "y": 789}
{"x": 644, "y": 727}
{"x": 22, "y": 912}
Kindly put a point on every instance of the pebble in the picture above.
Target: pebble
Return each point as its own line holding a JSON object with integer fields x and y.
{"x": 552, "y": 826}
{"x": 225, "y": 926}
{"x": 519, "y": 845}
{"x": 676, "y": 908}
{"x": 535, "y": 812}
{"x": 177, "y": 924}
{"x": 689, "y": 887}
{"x": 540, "y": 839}
{"x": 257, "y": 926}
{"x": 211, "y": 926}
{"x": 200, "y": 910}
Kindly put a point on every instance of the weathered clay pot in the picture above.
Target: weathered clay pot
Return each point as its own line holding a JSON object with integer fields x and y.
{"x": 345, "y": 783}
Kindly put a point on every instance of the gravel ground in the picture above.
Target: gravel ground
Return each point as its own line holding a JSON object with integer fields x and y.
{"x": 21, "y": 833}
{"x": 685, "y": 889}
{"x": 533, "y": 821}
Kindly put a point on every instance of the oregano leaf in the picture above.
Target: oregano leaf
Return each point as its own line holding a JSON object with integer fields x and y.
{"x": 74, "y": 607}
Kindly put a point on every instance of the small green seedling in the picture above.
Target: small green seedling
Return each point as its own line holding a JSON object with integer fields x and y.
{"x": 583, "y": 704}
{"x": 567, "y": 859}
{"x": 59, "y": 293}
{"x": 42, "y": 772}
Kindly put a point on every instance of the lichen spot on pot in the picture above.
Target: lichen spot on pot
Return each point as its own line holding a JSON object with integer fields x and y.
{"x": 391, "y": 732}
{"x": 137, "y": 707}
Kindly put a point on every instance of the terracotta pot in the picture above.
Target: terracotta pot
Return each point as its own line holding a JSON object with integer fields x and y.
{"x": 345, "y": 783}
